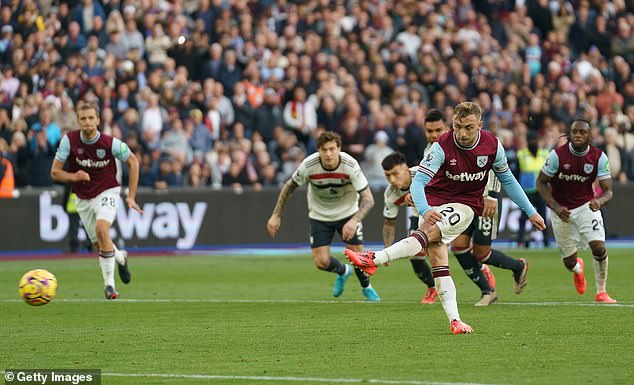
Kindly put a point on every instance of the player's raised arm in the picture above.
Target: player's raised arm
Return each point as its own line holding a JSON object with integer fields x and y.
{"x": 514, "y": 190}
{"x": 426, "y": 171}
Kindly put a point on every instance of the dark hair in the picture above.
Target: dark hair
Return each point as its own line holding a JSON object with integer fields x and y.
{"x": 328, "y": 136}
{"x": 434, "y": 115}
{"x": 393, "y": 160}
{"x": 581, "y": 120}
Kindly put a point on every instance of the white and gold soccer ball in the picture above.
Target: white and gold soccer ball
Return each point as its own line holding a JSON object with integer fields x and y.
{"x": 38, "y": 287}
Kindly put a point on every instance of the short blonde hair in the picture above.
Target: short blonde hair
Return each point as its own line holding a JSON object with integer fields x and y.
{"x": 83, "y": 105}
{"x": 465, "y": 109}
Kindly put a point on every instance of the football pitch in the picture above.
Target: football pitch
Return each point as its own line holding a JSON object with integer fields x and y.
{"x": 272, "y": 320}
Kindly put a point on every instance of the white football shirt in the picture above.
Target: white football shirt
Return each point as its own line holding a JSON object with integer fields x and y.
{"x": 332, "y": 194}
{"x": 393, "y": 198}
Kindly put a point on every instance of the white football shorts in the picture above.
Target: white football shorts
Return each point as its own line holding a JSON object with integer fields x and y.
{"x": 457, "y": 217}
{"x": 583, "y": 226}
{"x": 103, "y": 206}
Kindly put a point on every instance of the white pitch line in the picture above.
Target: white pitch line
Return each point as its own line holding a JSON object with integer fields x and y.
{"x": 307, "y": 301}
{"x": 291, "y": 379}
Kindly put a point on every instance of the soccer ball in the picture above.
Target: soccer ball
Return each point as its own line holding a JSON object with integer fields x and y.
{"x": 38, "y": 287}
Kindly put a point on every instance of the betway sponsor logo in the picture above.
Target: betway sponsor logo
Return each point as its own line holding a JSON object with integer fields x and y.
{"x": 89, "y": 163}
{"x": 466, "y": 176}
{"x": 164, "y": 220}
{"x": 573, "y": 177}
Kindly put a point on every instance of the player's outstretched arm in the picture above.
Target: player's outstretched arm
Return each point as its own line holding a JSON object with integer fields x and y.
{"x": 133, "y": 183}
{"x": 273, "y": 224}
{"x": 59, "y": 175}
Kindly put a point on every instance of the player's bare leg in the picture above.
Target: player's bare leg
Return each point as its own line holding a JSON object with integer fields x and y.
{"x": 575, "y": 265}
{"x": 324, "y": 261}
{"x": 600, "y": 263}
{"x": 106, "y": 257}
{"x": 438, "y": 257}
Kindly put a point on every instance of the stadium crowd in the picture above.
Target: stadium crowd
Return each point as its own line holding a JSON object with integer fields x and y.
{"x": 213, "y": 93}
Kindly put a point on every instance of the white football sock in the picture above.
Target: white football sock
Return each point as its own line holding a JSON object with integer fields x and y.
{"x": 577, "y": 269}
{"x": 107, "y": 270}
{"x": 447, "y": 293}
{"x": 404, "y": 248}
{"x": 118, "y": 255}
{"x": 600, "y": 274}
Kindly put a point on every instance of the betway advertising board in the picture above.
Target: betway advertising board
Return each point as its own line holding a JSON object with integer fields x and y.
{"x": 184, "y": 219}
{"x": 179, "y": 219}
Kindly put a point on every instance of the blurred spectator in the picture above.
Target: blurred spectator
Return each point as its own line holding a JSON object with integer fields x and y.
{"x": 200, "y": 138}
{"x": 157, "y": 45}
{"x": 175, "y": 143}
{"x": 51, "y": 131}
{"x": 300, "y": 115}
{"x": 134, "y": 39}
{"x": 41, "y": 158}
{"x": 268, "y": 116}
{"x": 211, "y": 67}
{"x": 152, "y": 122}
{"x": 170, "y": 173}
{"x": 374, "y": 155}
{"x": 229, "y": 73}
{"x": 617, "y": 157}
{"x": 148, "y": 171}
{"x": 84, "y": 13}
{"x": 623, "y": 43}
{"x": 7, "y": 181}
{"x": 240, "y": 173}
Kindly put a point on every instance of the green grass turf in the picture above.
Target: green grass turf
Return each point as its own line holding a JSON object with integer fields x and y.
{"x": 303, "y": 332}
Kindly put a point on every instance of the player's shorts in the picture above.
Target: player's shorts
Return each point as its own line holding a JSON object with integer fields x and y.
{"x": 457, "y": 218}
{"x": 321, "y": 232}
{"x": 583, "y": 226}
{"x": 482, "y": 229}
{"x": 103, "y": 207}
